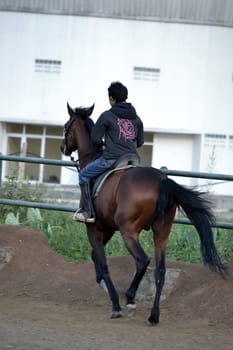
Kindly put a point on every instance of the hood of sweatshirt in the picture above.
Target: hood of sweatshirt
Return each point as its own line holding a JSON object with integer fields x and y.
{"x": 124, "y": 110}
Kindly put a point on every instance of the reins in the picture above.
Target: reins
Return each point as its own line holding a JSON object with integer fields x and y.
{"x": 77, "y": 161}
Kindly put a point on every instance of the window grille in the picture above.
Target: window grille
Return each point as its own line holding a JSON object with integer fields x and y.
{"x": 47, "y": 66}
{"x": 231, "y": 140}
{"x": 215, "y": 139}
{"x": 146, "y": 73}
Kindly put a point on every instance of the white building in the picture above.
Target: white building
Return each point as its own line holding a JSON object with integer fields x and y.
{"x": 175, "y": 57}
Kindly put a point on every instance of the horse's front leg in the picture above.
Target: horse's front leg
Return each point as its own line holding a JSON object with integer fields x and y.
{"x": 102, "y": 273}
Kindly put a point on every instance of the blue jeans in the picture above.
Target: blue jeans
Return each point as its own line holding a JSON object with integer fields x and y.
{"x": 95, "y": 168}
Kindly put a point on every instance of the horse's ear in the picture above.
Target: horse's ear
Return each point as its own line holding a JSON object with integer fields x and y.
{"x": 70, "y": 110}
{"x": 90, "y": 110}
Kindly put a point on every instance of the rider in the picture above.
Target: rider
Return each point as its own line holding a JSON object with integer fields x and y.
{"x": 122, "y": 131}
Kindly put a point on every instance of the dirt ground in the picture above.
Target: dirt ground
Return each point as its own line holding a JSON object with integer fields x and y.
{"x": 48, "y": 303}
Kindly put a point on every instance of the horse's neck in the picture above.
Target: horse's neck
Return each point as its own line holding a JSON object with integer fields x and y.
{"x": 86, "y": 155}
{"x": 87, "y": 152}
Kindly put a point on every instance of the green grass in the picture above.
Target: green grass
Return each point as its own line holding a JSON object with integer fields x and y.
{"x": 69, "y": 238}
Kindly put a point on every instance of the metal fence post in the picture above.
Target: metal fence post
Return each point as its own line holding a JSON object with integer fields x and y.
{"x": 0, "y": 174}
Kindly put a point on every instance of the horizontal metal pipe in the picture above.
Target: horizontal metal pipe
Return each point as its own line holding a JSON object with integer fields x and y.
{"x": 226, "y": 225}
{"x": 20, "y": 203}
{"x": 37, "y": 160}
{"x": 181, "y": 173}
{"x": 218, "y": 224}
{"x": 202, "y": 175}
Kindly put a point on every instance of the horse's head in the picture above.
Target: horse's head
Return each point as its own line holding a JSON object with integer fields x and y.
{"x": 77, "y": 130}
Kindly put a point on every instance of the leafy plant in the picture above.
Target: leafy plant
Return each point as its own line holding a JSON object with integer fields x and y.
{"x": 14, "y": 190}
{"x": 12, "y": 219}
{"x": 33, "y": 215}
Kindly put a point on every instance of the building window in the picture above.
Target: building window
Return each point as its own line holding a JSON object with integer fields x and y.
{"x": 215, "y": 139}
{"x": 231, "y": 140}
{"x": 33, "y": 141}
{"x": 146, "y": 73}
{"x": 47, "y": 66}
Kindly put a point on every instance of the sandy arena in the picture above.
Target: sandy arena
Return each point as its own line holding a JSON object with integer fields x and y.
{"x": 48, "y": 303}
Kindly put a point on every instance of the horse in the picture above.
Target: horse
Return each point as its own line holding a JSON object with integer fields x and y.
{"x": 132, "y": 200}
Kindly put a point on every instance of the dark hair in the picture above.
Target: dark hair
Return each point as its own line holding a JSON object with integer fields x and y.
{"x": 118, "y": 91}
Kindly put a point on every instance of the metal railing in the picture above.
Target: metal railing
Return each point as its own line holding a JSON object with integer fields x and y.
{"x": 203, "y": 175}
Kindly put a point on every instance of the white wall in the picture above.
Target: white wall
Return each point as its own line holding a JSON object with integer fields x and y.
{"x": 194, "y": 91}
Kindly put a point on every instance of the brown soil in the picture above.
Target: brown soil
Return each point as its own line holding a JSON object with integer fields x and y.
{"x": 49, "y": 303}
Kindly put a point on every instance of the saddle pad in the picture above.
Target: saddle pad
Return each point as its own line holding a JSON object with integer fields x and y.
{"x": 101, "y": 179}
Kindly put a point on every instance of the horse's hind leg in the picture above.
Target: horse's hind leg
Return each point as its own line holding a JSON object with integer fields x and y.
{"x": 160, "y": 271}
{"x": 161, "y": 232}
{"x": 141, "y": 261}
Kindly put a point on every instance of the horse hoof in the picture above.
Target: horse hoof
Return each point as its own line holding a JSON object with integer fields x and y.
{"x": 130, "y": 310}
{"x": 116, "y": 314}
{"x": 130, "y": 307}
{"x": 151, "y": 323}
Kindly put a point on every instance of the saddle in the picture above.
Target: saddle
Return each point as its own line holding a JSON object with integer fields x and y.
{"x": 128, "y": 160}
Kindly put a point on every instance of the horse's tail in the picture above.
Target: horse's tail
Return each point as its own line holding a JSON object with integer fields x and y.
{"x": 198, "y": 211}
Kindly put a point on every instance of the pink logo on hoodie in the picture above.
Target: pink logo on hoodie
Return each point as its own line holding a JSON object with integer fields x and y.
{"x": 126, "y": 129}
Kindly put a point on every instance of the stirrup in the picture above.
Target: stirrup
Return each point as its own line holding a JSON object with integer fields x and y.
{"x": 82, "y": 216}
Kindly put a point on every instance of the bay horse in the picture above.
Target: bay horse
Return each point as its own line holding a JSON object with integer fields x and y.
{"x": 130, "y": 201}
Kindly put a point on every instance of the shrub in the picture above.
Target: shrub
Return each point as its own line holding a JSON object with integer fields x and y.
{"x": 19, "y": 191}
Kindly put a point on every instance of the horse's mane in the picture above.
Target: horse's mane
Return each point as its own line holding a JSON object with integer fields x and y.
{"x": 89, "y": 124}
{"x": 82, "y": 113}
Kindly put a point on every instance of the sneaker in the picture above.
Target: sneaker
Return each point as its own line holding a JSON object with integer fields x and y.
{"x": 82, "y": 216}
